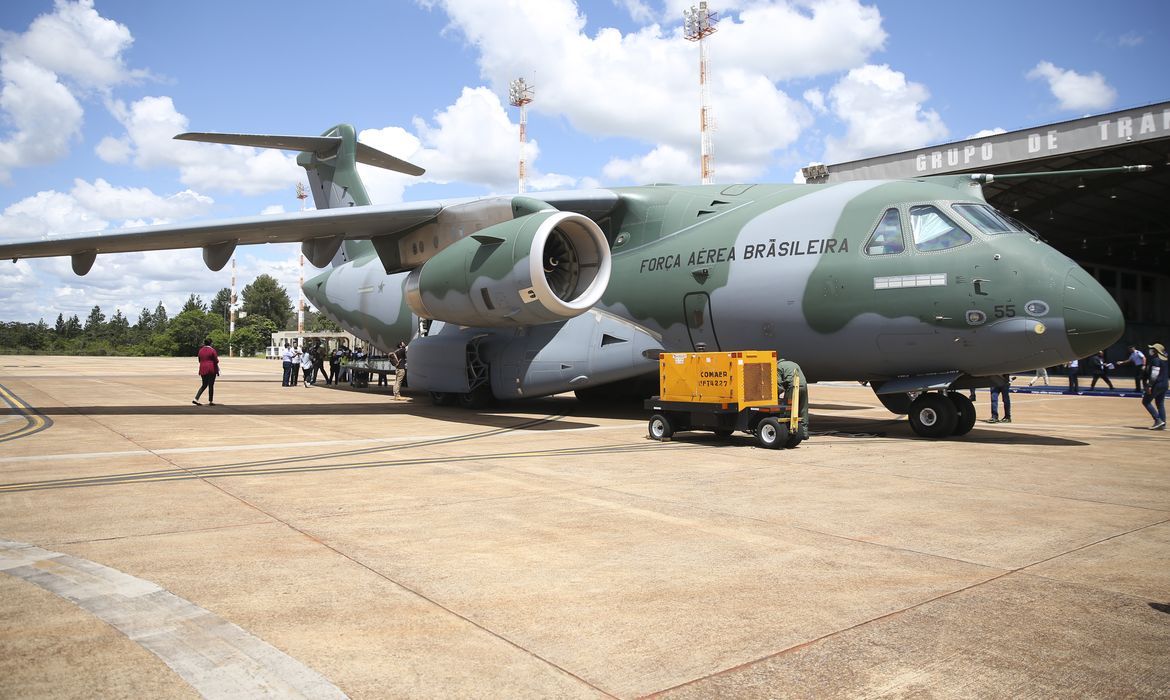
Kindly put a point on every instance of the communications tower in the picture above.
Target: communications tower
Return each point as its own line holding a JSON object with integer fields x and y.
{"x": 301, "y": 195}
{"x": 698, "y": 24}
{"x": 520, "y": 95}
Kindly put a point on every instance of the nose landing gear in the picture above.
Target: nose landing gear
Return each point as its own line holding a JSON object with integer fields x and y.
{"x": 936, "y": 415}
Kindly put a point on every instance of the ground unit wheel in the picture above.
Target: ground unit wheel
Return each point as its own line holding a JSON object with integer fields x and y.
{"x": 771, "y": 433}
{"x": 723, "y": 433}
{"x": 793, "y": 440}
{"x": 660, "y": 427}
{"x": 933, "y": 416}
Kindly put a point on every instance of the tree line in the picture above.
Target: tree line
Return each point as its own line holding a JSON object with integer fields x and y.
{"x": 264, "y": 309}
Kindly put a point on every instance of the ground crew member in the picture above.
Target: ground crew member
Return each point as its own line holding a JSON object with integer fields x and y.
{"x": 398, "y": 358}
{"x": 785, "y": 371}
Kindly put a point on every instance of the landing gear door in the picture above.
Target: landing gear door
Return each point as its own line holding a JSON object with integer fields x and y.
{"x": 700, "y": 325}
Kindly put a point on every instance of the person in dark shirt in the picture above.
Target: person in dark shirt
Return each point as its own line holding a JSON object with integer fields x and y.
{"x": 208, "y": 371}
{"x": 1154, "y": 397}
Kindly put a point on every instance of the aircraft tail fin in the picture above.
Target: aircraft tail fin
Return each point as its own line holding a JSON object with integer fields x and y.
{"x": 330, "y": 160}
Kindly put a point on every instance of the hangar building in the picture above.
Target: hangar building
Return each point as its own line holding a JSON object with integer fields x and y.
{"x": 1116, "y": 225}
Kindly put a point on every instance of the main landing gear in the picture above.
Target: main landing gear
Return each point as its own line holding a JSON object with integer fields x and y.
{"x": 940, "y": 415}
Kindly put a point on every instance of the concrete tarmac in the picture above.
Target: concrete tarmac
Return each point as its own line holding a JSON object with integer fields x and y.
{"x": 322, "y": 542}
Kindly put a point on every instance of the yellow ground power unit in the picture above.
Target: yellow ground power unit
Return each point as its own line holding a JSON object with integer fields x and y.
{"x": 744, "y": 378}
{"x": 724, "y": 392}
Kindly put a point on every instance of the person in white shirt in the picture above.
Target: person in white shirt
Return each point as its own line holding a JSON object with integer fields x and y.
{"x": 286, "y": 356}
{"x": 306, "y": 362}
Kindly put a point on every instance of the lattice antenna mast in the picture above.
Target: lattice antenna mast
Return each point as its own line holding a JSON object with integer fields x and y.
{"x": 698, "y": 24}
{"x": 301, "y": 195}
{"x": 520, "y": 94}
{"x": 232, "y": 312}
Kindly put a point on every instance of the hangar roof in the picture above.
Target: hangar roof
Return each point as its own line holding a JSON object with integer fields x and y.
{"x": 1114, "y": 219}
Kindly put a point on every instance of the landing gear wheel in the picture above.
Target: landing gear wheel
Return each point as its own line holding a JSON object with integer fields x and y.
{"x": 660, "y": 427}
{"x": 476, "y": 398}
{"x": 771, "y": 433}
{"x": 933, "y": 416}
{"x": 966, "y": 409}
{"x": 442, "y": 398}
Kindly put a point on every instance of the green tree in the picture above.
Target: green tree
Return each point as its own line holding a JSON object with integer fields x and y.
{"x": 159, "y": 319}
{"x": 316, "y": 322}
{"x": 72, "y": 327}
{"x": 248, "y": 342}
{"x": 194, "y": 303}
{"x": 263, "y": 327}
{"x": 189, "y": 329}
{"x": 221, "y": 303}
{"x": 118, "y": 329}
{"x": 95, "y": 325}
{"x": 265, "y": 297}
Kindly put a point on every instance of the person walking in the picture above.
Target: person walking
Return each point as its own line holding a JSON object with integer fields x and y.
{"x": 1074, "y": 368}
{"x": 1041, "y": 373}
{"x": 306, "y": 367}
{"x": 1154, "y": 397}
{"x": 398, "y": 358}
{"x": 1100, "y": 369}
{"x": 334, "y": 365}
{"x": 1003, "y": 390}
{"x": 1138, "y": 359}
{"x": 208, "y": 371}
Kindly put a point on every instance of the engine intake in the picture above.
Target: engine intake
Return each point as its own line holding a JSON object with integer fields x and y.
{"x": 540, "y": 268}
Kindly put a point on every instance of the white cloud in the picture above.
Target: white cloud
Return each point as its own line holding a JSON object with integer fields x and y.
{"x": 663, "y": 164}
{"x": 787, "y": 40}
{"x": 643, "y": 84}
{"x": 1131, "y": 39}
{"x": 816, "y": 99}
{"x": 151, "y": 124}
{"x": 883, "y": 113}
{"x": 45, "y": 115}
{"x": 76, "y": 42}
{"x": 986, "y": 132}
{"x": 70, "y": 52}
{"x": 1075, "y": 91}
{"x": 92, "y": 207}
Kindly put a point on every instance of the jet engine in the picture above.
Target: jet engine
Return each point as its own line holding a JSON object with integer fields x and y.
{"x": 540, "y": 268}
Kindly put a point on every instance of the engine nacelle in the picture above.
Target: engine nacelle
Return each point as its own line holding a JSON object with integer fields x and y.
{"x": 544, "y": 267}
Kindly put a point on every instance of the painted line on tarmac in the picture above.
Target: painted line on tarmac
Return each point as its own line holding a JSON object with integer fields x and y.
{"x": 217, "y": 658}
{"x": 34, "y": 422}
{"x": 261, "y": 446}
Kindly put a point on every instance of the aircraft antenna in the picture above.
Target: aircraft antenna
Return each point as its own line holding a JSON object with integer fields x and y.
{"x": 698, "y": 24}
{"x": 520, "y": 94}
{"x": 301, "y": 195}
{"x": 232, "y": 312}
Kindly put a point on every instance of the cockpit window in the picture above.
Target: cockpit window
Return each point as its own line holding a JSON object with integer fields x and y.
{"x": 986, "y": 219}
{"x": 932, "y": 229}
{"x": 886, "y": 239}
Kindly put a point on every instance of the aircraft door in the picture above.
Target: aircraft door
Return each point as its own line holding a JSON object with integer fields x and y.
{"x": 700, "y": 325}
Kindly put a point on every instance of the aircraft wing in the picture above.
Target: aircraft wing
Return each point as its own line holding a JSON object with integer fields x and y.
{"x": 320, "y": 232}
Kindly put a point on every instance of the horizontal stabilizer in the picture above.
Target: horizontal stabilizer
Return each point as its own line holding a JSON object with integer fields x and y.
{"x": 320, "y": 145}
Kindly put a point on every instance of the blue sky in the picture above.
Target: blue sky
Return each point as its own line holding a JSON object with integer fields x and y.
{"x": 91, "y": 92}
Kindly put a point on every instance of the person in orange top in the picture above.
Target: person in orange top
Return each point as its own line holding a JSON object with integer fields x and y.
{"x": 208, "y": 371}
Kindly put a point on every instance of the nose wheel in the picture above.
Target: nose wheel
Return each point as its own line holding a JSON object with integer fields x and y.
{"x": 935, "y": 416}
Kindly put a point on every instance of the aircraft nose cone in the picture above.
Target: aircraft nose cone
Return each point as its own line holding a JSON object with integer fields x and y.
{"x": 1092, "y": 319}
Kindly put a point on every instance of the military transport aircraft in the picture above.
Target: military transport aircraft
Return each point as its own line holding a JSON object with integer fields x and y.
{"x": 918, "y": 287}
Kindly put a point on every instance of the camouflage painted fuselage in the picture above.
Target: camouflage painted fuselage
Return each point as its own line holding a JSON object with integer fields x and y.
{"x": 786, "y": 267}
